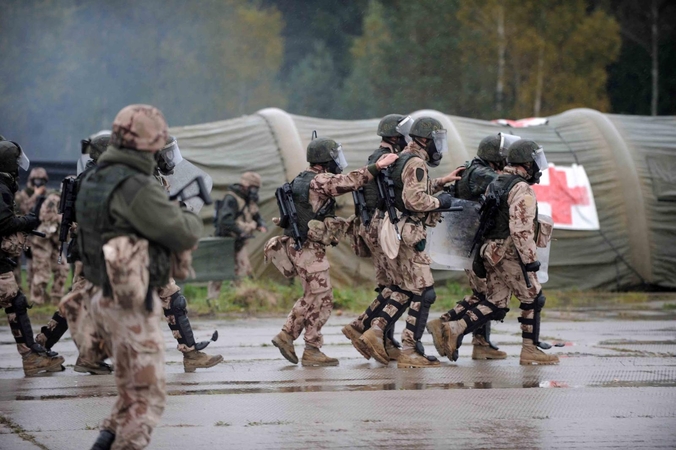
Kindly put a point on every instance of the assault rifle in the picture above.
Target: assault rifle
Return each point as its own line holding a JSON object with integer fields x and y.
{"x": 202, "y": 192}
{"x": 387, "y": 196}
{"x": 360, "y": 209}
{"x": 287, "y": 212}
{"x": 67, "y": 210}
{"x": 489, "y": 208}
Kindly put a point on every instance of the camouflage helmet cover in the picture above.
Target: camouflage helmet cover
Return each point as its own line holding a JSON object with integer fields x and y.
{"x": 489, "y": 149}
{"x": 250, "y": 179}
{"x": 522, "y": 151}
{"x": 424, "y": 127}
{"x": 388, "y": 125}
{"x": 38, "y": 172}
{"x": 322, "y": 150}
{"x": 139, "y": 127}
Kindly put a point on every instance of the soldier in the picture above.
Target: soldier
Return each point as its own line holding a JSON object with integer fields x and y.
{"x": 509, "y": 255}
{"x": 478, "y": 174}
{"x": 392, "y": 142}
{"x": 413, "y": 190}
{"x": 313, "y": 196}
{"x": 36, "y": 188}
{"x": 13, "y": 229}
{"x": 128, "y": 231}
{"x": 174, "y": 303}
{"x": 237, "y": 216}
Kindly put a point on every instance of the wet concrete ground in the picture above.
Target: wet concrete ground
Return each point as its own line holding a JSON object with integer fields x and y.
{"x": 615, "y": 388}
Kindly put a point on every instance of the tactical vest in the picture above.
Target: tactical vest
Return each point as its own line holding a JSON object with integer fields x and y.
{"x": 477, "y": 173}
{"x": 371, "y": 188}
{"x": 397, "y": 170}
{"x": 300, "y": 187}
{"x": 504, "y": 183}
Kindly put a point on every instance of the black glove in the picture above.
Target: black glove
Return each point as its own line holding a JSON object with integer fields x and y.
{"x": 532, "y": 267}
{"x": 445, "y": 200}
{"x": 31, "y": 222}
{"x": 420, "y": 246}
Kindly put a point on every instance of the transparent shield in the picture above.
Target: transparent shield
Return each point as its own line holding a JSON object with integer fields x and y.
{"x": 543, "y": 253}
{"x": 82, "y": 163}
{"x": 540, "y": 158}
{"x": 505, "y": 141}
{"x": 440, "y": 138}
{"x": 183, "y": 174}
{"x": 449, "y": 243}
{"x": 24, "y": 163}
{"x": 404, "y": 127}
{"x": 172, "y": 153}
{"x": 339, "y": 157}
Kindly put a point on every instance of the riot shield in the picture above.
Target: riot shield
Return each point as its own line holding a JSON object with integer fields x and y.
{"x": 184, "y": 173}
{"x": 543, "y": 254}
{"x": 449, "y": 243}
{"x": 82, "y": 163}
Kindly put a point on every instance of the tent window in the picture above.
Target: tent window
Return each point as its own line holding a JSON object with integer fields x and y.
{"x": 663, "y": 173}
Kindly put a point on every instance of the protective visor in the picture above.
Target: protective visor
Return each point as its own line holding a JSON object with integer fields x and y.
{"x": 339, "y": 157}
{"x": 505, "y": 141}
{"x": 540, "y": 158}
{"x": 171, "y": 153}
{"x": 22, "y": 160}
{"x": 404, "y": 127}
{"x": 82, "y": 163}
{"x": 440, "y": 138}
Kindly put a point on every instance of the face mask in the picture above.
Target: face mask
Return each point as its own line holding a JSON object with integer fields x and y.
{"x": 434, "y": 155}
{"x": 534, "y": 173}
{"x": 334, "y": 168}
{"x": 401, "y": 143}
{"x": 39, "y": 182}
{"x": 164, "y": 164}
{"x": 253, "y": 194}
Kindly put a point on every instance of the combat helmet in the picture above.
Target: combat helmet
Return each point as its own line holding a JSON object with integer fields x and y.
{"x": 326, "y": 151}
{"x": 96, "y": 144}
{"x": 139, "y": 127}
{"x": 424, "y": 126}
{"x": 430, "y": 128}
{"x": 12, "y": 158}
{"x": 388, "y": 125}
{"x": 489, "y": 149}
{"x": 251, "y": 179}
{"x": 522, "y": 151}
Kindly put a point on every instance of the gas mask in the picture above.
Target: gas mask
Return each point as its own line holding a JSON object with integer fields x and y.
{"x": 539, "y": 163}
{"x": 253, "y": 194}
{"x": 338, "y": 162}
{"x": 169, "y": 157}
{"x": 436, "y": 147}
{"x": 38, "y": 182}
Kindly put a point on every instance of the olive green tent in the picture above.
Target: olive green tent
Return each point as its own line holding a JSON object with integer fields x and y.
{"x": 630, "y": 161}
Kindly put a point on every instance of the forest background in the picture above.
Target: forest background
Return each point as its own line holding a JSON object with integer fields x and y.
{"x": 70, "y": 65}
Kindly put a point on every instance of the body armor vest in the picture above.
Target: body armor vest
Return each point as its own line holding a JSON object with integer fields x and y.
{"x": 397, "y": 170}
{"x": 371, "y": 188}
{"x": 504, "y": 184}
{"x": 300, "y": 187}
{"x": 479, "y": 174}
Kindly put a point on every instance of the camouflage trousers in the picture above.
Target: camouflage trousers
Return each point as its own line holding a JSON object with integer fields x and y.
{"x": 75, "y": 307}
{"x": 45, "y": 257}
{"x": 505, "y": 277}
{"x": 242, "y": 269}
{"x": 8, "y": 290}
{"x": 165, "y": 294}
{"x": 313, "y": 309}
{"x": 134, "y": 336}
{"x": 478, "y": 285}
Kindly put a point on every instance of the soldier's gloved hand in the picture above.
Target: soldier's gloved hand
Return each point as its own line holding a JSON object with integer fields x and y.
{"x": 420, "y": 246}
{"x": 445, "y": 200}
{"x": 532, "y": 267}
{"x": 31, "y": 222}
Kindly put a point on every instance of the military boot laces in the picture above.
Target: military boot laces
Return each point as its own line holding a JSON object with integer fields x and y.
{"x": 104, "y": 441}
{"x": 373, "y": 339}
{"x": 531, "y": 355}
{"x": 35, "y": 363}
{"x": 284, "y": 342}
{"x": 199, "y": 360}
{"x": 353, "y": 335}
{"x": 484, "y": 350}
{"x": 93, "y": 368}
{"x": 452, "y": 333}
{"x": 434, "y": 328}
{"x": 410, "y": 358}
{"x": 313, "y": 357}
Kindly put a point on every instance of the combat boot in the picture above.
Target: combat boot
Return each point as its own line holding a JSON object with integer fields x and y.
{"x": 531, "y": 354}
{"x": 313, "y": 357}
{"x": 104, "y": 441}
{"x": 452, "y": 333}
{"x": 434, "y": 328}
{"x": 373, "y": 339}
{"x": 409, "y": 358}
{"x": 392, "y": 350}
{"x": 97, "y": 368}
{"x": 34, "y": 363}
{"x": 483, "y": 350}
{"x": 199, "y": 360}
{"x": 353, "y": 335}
{"x": 284, "y": 342}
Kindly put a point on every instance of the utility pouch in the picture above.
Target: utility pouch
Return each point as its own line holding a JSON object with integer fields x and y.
{"x": 275, "y": 252}
{"x": 127, "y": 261}
{"x": 13, "y": 244}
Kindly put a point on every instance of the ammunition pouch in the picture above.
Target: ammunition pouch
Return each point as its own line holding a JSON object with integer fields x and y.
{"x": 275, "y": 251}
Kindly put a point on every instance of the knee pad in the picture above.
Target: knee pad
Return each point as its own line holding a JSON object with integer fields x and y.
{"x": 500, "y": 314}
{"x": 20, "y": 304}
{"x": 539, "y": 301}
{"x": 178, "y": 302}
{"x": 479, "y": 295}
{"x": 428, "y": 297}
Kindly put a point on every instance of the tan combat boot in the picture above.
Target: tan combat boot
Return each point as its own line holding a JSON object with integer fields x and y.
{"x": 531, "y": 354}
{"x": 33, "y": 364}
{"x": 97, "y": 368}
{"x": 483, "y": 350}
{"x": 373, "y": 339}
{"x": 452, "y": 332}
{"x": 313, "y": 357}
{"x": 434, "y": 328}
{"x": 284, "y": 342}
{"x": 409, "y": 358}
{"x": 199, "y": 360}
{"x": 353, "y": 335}
{"x": 392, "y": 350}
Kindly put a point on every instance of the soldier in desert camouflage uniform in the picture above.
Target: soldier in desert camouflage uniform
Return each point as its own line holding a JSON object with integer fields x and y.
{"x": 413, "y": 189}
{"x": 313, "y": 195}
{"x": 238, "y": 217}
{"x": 478, "y": 174}
{"x": 127, "y": 231}
{"x": 392, "y": 141}
{"x": 13, "y": 230}
{"x": 509, "y": 251}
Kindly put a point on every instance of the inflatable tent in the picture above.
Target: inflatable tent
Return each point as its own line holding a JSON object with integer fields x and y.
{"x": 630, "y": 162}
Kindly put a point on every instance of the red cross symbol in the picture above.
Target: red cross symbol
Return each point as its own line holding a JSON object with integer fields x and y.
{"x": 560, "y": 196}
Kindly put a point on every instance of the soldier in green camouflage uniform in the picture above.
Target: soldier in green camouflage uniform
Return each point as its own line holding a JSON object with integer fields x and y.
{"x": 509, "y": 250}
{"x": 386, "y": 273}
{"x": 127, "y": 231}
{"x": 478, "y": 174}
{"x": 414, "y": 199}
{"x": 313, "y": 194}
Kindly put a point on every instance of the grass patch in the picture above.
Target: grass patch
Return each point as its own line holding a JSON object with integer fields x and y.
{"x": 19, "y": 431}
{"x": 669, "y": 306}
{"x": 220, "y": 423}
